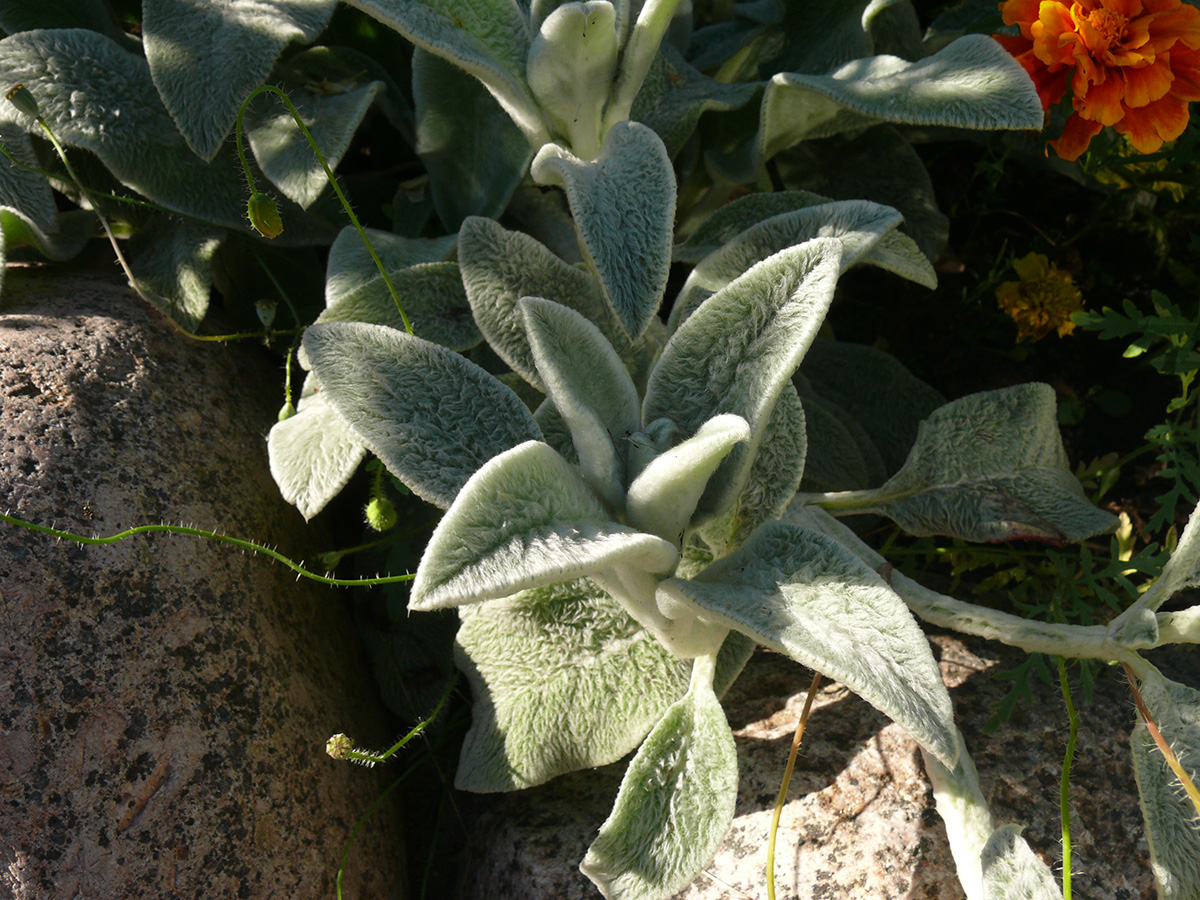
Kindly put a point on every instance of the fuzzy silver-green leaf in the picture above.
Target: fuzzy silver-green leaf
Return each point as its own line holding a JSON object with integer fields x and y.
{"x": 674, "y": 806}
{"x": 524, "y": 520}
{"x": 624, "y": 208}
{"x": 431, "y": 416}
{"x": 563, "y": 679}
{"x": 804, "y": 594}
{"x": 736, "y": 353}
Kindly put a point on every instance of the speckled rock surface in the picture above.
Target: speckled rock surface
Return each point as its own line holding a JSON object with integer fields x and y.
{"x": 164, "y": 701}
{"x": 860, "y": 823}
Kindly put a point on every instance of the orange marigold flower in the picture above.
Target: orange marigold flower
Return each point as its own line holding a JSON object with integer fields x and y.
{"x": 1132, "y": 64}
{"x": 1042, "y": 301}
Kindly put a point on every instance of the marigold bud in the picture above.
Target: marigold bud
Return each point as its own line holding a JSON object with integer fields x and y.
{"x": 264, "y": 216}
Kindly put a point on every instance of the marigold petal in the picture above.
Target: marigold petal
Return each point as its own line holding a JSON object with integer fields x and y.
{"x": 1101, "y": 102}
{"x": 1075, "y": 138}
{"x": 1179, "y": 24}
{"x": 1149, "y": 83}
{"x": 1020, "y": 12}
{"x": 1054, "y": 33}
{"x": 1185, "y": 65}
{"x": 1032, "y": 266}
{"x": 1130, "y": 9}
{"x": 1148, "y": 127}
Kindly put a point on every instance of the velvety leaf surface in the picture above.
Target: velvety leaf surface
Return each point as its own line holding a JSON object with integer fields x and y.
{"x": 312, "y": 454}
{"x": 964, "y": 810}
{"x": 739, "y": 349}
{"x": 432, "y": 417}
{"x": 992, "y": 863}
{"x": 205, "y": 57}
{"x": 563, "y": 679}
{"x": 651, "y": 20}
{"x": 624, "y": 208}
{"x": 432, "y": 296}
{"x": 886, "y": 400}
{"x": 499, "y": 267}
{"x": 172, "y": 260}
{"x": 730, "y": 220}
{"x": 972, "y": 83}
{"x": 524, "y": 520}
{"x": 1169, "y": 814}
{"x": 664, "y": 495}
{"x": 861, "y": 226}
{"x": 804, "y": 594}
{"x": 100, "y": 98}
{"x": 1012, "y": 871}
{"x": 773, "y": 478}
{"x": 279, "y": 146}
{"x": 588, "y": 385}
{"x": 474, "y": 154}
{"x": 674, "y": 806}
{"x": 25, "y": 193}
{"x": 350, "y": 265}
{"x": 572, "y": 61}
{"x": 991, "y": 467}
{"x": 487, "y": 38}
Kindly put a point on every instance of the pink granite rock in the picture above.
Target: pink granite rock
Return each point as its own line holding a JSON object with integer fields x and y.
{"x": 164, "y": 701}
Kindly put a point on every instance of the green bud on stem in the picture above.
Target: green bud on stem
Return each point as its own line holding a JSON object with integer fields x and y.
{"x": 264, "y": 216}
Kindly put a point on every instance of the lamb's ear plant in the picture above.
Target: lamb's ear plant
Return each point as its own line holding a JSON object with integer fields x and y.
{"x": 626, "y": 493}
{"x": 637, "y": 521}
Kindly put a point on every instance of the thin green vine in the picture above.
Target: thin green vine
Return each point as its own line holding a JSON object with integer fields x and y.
{"x": 211, "y": 535}
{"x": 23, "y": 100}
{"x": 260, "y": 205}
{"x": 370, "y": 759}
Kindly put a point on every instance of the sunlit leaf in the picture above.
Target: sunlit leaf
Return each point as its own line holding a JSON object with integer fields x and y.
{"x": 1170, "y": 815}
{"x": 624, "y": 208}
{"x": 563, "y": 679}
{"x": 524, "y": 520}
{"x": 587, "y": 382}
{"x": 738, "y": 351}
{"x": 313, "y": 453}
{"x": 500, "y": 267}
{"x": 804, "y": 594}
{"x": 432, "y": 417}
{"x": 675, "y": 804}
{"x": 991, "y": 467}
{"x": 206, "y": 58}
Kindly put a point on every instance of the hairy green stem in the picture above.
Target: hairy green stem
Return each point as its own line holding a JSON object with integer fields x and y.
{"x": 241, "y": 152}
{"x": 211, "y": 535}
{"x": 1064, "y": 789}
{"x": 378, "y": 802}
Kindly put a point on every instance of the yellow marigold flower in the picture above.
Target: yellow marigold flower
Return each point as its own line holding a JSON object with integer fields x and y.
{"x": 1132, "y": 64}
{"x": 1042, "y": 301}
